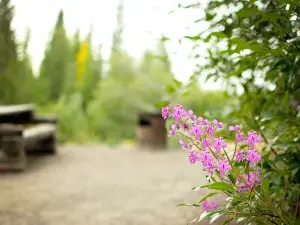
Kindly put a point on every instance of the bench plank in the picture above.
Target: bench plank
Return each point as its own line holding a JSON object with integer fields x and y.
{"x": 44, "y": 119}
{"x": 41, "y": 137}
{"x": 39, "y": 131}
{"x": 10, "y": 129}
{"x": 15, "y": 109}
{"x": 16, "y": 114}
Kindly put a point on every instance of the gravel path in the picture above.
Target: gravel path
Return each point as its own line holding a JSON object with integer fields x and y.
{"x": 89, "y": 185}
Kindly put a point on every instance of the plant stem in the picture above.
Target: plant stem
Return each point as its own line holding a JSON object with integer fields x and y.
{"x": 286, "y": 187}
{"x": 235, "y": 147}
{"x": 296, "y": 211}
{"x": 272, "y": 221}
{"x": 228, "y": 158}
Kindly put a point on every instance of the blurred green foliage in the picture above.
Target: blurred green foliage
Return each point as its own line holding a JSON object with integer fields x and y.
{"x": 105, "y": 105}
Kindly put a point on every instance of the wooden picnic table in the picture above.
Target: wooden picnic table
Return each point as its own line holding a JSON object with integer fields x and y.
{"x": 15, "y": 109}
{"x": 16, "y": 114}
{"x": 16, "y": 140}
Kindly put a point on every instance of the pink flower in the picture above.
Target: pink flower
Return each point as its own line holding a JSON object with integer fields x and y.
{"x": 239, "y": 137}
{"x": 205, "y": 143}
{"x": 218, "y": 144}
{"x": 240, "y": 155}
{"x": 253, "y": 138}
{"x": 208, "y": 206}
{"x": 210, "y": 130}
{"x": 249, "y": 181}
{"x": 193, "y": 157}
{"x": 208, "y": 161}
{"x": 196, "y": 130}
{"x": 183, "y": 144}
{"x": 223, "y": 167}
{"x": 235, "y": 128}
{"x": 201, "y": 134}
{"x": 165, "y": 112}
{"x": 200, "y": 119}
{"x": 178, "y": 113}
{"x": 191, "y": 114}
{"x": 217, "y": 123}
{"x": 173, "y": 130}
{"x": 253, "y": 156}
{"x": 205, "y": 122}
{"x": 185, "y": 126}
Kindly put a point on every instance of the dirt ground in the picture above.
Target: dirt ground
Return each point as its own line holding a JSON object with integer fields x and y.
{"x": 97, "y": 185}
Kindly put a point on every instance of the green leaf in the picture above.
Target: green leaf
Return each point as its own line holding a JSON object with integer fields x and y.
{"x": 213, "y": 179}
{"x": 219, "y": 35}
{"x": 215, "y": 217}
{"x": 203, "y": 215}
{"x": 294, "y": 171}
{"x": 286, "y": 100}
{"x": 163, "y": 39}
{"x": 195, "y": 188}
{"x": 185, "y": 93}
{"x": 246, "y": 12}
{"x": 265, "y": 185}
{"x": 194, "y": 220}
{"x": 194, "y": 38}
{"x": 178, "y": 84}
{"x": 241, "y": 219}
{"x": 219, "y": 186}
{"x": 209, "y": 16}
{"x": 208, "y": 196}
{"x": 170, "y": 89}
{"x": 194, "y": 205}
{"x": 227, "y": 221}
{"x": 228, "y": 199}
{"x": 231, "y": 178}
{"x": 208, "y": 214}
{"x": 247, "y": 169}
{"x": 160, "y": 104}
{"x": 237, "y": 199}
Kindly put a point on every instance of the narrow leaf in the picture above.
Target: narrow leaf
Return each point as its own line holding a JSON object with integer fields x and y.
{"x": 208, "y": 196}
{"x": 208, "y": 214}
{"x": 215, "y": 217}
{"x": 194, "y": 220}
{"x": 265, "y": 185}
{"x": 194, "y": 205}
{"x": 231, "y": 178}
{"x": 195, "y": 188}
{"x": 240, "y": 219}
{"x": 203, "y": 215}
{"x": 227, "y": 221}
{"x": 219, "y": 186}
{"x": 192, "y": 37}
{"x": 286, "y": 99}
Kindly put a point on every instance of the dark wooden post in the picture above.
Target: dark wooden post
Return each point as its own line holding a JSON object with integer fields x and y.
{"x": 12, "y": 147}
{"x": 151, "y": 131}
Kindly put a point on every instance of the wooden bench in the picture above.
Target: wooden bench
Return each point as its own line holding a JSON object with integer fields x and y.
{"x": 16, "y": 139}
{"x": 40, "y": 137}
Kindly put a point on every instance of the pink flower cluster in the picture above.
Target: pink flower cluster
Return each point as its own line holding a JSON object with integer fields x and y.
{"x": 210, "y": 150}
{"x": 251, "y": 179}
{"x": 208, "y": 206}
